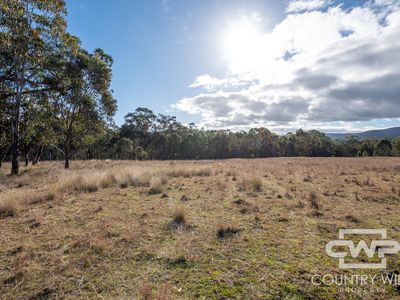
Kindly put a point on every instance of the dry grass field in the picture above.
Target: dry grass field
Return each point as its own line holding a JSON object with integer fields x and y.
{"x": 234, "y": 229}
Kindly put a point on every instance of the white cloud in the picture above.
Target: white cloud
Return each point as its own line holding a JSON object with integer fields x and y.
{"x": 305, "y": 5}
{"x": 210, "y": 83}
{"x": 207, "y": 82}
{"x": 316, "y": 69}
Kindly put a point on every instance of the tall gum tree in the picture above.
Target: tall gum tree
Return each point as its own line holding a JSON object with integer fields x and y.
{"x": 84, "y": 105}
{"x": 30, "y": 32}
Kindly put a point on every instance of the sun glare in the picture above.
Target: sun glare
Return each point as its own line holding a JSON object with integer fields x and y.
{"x": 241, "y": 42}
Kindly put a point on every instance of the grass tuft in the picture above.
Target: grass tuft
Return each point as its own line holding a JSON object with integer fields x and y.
{"x": 314, "y": 201}
{"x": 352, "y": 218}
{"x": 256, "y": 184}
{"x": 7, "y": 209}
{"x": 157, "y": 184}
{"x": 109, "y": 179}
{"x": 224, "y": 231}
{"x": 187, "y": 172}
{"x": 178, "y": 219}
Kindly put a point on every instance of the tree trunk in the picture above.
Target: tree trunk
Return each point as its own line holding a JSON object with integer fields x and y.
{"x": 15, "y": 140}
{"x": 37, "y": 155}
{"x": 15, "y": 129}
{"x": 66, "y": 157}
{"x": 15, "y": 144}
{"x": 26, "y": 160}
{"x": 3, "y": 156}
{"x": 15, "y": 156}
{"x": 66, "y": 163}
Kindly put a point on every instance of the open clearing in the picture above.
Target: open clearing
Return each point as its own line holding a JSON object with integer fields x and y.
{"x": 244, "y": 229}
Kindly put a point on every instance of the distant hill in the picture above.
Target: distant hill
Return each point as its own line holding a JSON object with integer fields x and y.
{"x": 382, "y": 133}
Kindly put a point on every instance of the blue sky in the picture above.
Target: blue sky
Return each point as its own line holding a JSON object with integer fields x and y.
{"x": 158, "y": 47}
{"x": 196, "y": 60}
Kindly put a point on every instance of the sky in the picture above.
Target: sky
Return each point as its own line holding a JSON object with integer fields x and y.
{"x": 328, "y": 65}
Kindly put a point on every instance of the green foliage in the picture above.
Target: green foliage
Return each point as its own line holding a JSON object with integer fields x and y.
{"x": 147, "y": 136}
{"x": 31, "y": 32}
{"x": 383, "y": 148}
{"x": 83, "y": 103}
{"x": 141, "y": 154}
{"x": 396, "y": 147}
{"x": 53, "y": 92}
{"x": 163, "y": 137}
{"x": 125, "y": 148}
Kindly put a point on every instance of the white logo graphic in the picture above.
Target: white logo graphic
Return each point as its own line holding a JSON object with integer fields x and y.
{"x": 382, "y": 247}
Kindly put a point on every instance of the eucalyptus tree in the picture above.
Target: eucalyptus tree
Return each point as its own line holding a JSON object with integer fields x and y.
{"x": 167, "y": 137}
{"x": 39, "y": 126}
{"x": 30, "y": 33}
{"x": 84, "y": 103}
{"x": 383, "y": 148}
{"x": 139, "y": 126}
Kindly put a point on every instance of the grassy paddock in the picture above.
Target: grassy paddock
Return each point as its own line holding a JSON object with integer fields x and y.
{"x": 253, "y": 229}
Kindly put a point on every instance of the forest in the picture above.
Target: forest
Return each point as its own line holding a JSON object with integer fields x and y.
{"x": 147, "y": 136}
{"x": 57, "y": 104}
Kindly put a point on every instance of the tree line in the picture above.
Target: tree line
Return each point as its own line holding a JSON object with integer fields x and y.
{"x": 56, "y": 103}
{"x": 145, "y": 135}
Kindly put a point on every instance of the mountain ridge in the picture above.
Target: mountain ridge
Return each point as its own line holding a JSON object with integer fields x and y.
{"x": 391, "y": 132}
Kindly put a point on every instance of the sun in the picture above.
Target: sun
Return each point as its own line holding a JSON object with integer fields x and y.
{"x": 241, "y": 41}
